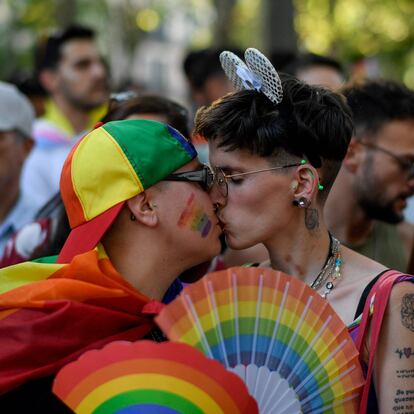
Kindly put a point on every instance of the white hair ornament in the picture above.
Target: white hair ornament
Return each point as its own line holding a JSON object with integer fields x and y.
{"x": 256, "y": 74}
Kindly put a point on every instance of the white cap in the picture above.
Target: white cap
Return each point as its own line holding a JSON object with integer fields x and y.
{"x": 16, "y": 111}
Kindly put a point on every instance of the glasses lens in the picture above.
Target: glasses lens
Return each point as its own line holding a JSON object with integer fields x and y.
{"x": 220, "y": 180}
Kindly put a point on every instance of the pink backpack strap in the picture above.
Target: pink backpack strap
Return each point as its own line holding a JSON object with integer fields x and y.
{"x": 382, "y": 291}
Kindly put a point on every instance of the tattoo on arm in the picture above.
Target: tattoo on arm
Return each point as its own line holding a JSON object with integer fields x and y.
{"x": 407, "y": 311}
{"x": 403, "y": 401}
{"x": 311, "y": 218}
{"x": 404, "y": 352}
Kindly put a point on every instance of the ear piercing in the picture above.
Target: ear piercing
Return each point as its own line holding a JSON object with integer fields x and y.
{"x": 153, "y": 205}
{"x": 132, "y": 217}
{"x": 302, "y": 202}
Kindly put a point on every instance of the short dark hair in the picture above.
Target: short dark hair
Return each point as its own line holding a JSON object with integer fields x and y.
{"x": 311, "y": 122}
{"x": 49, "y": 49}
{"x": 306, "y": 60}
{"x": 176, "y": 114}
{"x": 376, "y": 102}
{"x": 201, "y": 65}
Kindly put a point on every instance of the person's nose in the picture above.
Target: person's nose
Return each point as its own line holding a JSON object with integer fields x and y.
{"x": 217, "y": 197}
{"x": 99, "y": 70}
{"x": 411, "y": 184}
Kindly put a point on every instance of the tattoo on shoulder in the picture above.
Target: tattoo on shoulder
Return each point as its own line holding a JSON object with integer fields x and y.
{"x": 403, "y": 401}
{"x": 311, "y": 218}
{"x": 407, "y": 311}
{"x": 405, "y": 352}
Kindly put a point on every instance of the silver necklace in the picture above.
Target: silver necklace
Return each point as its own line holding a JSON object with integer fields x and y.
{"x": 330, "y": 274}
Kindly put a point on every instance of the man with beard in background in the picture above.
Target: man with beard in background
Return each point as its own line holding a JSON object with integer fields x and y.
{"x": 365, "y": 207}
{"x": 71, "y": 70}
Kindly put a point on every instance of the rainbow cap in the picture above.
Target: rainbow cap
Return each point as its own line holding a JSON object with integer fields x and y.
{"x": 108, "y": 166}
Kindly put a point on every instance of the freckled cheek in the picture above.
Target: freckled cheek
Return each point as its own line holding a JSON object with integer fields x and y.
{"x": 194, "y": 217}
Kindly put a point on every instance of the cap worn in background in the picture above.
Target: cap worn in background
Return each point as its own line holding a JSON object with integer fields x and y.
{"x": 16, "y": 111}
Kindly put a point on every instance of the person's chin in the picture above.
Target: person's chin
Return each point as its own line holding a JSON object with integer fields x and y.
{"x": 234, "y": 243}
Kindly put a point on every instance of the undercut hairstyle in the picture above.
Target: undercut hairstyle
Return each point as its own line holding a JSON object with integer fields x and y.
{"x": 176, "y": 115}
{"x": 49, "y": 51}
{"x": 375, "y": 103}
{"x": 311, "y": 122}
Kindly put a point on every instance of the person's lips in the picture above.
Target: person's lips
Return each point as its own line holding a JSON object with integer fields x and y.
{"x": 401, "y": 203}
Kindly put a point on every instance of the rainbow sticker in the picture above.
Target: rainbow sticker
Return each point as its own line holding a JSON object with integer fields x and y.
{"x": 276, "y": 333}
{"x": 146, "y": 377}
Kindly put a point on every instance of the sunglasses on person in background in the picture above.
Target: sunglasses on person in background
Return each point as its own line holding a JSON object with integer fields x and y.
{"x": 204, "y": 177}
{"x": 406, "y": 164}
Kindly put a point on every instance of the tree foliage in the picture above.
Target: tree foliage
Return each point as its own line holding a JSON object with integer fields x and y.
{"x": 355, "y": 29}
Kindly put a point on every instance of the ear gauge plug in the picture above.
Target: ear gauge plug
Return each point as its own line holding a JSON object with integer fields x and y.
{"x": 302, "y": 202}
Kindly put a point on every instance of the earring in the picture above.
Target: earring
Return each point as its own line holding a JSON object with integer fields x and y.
{"x": 153, "y": 205}
{"x": 294, "y": 185}
{"x": 132, "y": 217}
{"x": 301, "y": 202}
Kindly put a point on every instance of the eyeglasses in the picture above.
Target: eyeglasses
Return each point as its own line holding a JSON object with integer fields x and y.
{"x": 406, "y": 164}
{"x": 205, "y": 177}
{"x": 222, "y": 179}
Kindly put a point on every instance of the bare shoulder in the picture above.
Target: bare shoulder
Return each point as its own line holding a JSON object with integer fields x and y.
{"x": 359, "y": 268}
{"x": 402, "y": 297}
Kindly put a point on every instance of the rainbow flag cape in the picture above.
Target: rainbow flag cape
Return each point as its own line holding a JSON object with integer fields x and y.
{"x": 51, "y": 313}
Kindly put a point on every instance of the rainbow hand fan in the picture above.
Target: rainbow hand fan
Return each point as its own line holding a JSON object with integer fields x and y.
{"x": 151, "y": 378}
{"x": 280, "y": 336}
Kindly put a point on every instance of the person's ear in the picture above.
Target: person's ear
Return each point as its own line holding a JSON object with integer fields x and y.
{"x": 27, "y": 146}
{"x": 49, "y": 80}
{"x": 143, "y": 209}
{"x": 354, "y": 156}
{"x": 306, "y": 182}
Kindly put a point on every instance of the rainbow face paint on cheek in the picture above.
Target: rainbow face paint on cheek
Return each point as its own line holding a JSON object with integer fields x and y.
{"x": 195, "y": 218}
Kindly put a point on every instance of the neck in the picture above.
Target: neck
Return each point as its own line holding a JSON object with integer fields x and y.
{"x": 303, "y": 254}
{"x": 8, "y": 201}
{"x": 344, "y": 217}
{"x": 77, "y": 117}
{"x": 150, "y": 268}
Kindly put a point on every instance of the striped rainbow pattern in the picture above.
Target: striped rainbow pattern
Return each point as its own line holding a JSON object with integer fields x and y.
{"x": 146, "y": 377}
{"x": 129, "y": 148}
{"x": 244, "y": 316}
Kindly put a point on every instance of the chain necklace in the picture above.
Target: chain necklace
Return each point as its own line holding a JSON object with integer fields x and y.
{"x": 330, "y": 274}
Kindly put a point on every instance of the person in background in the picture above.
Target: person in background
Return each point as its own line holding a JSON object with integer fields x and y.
{"x": 365, "y": 209}
{"x": 46, "y": 235}
{"x": 70, "y": 68}
{"x": 317, "y": 70}
{"x": 16, "y": 121}
{"x": 205, "y": 78}
{"x": 129, "y": 105}
{"x": 136, "y": 224}
{"x": 206, "y": 83}
{"x": 30, "y": 86}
